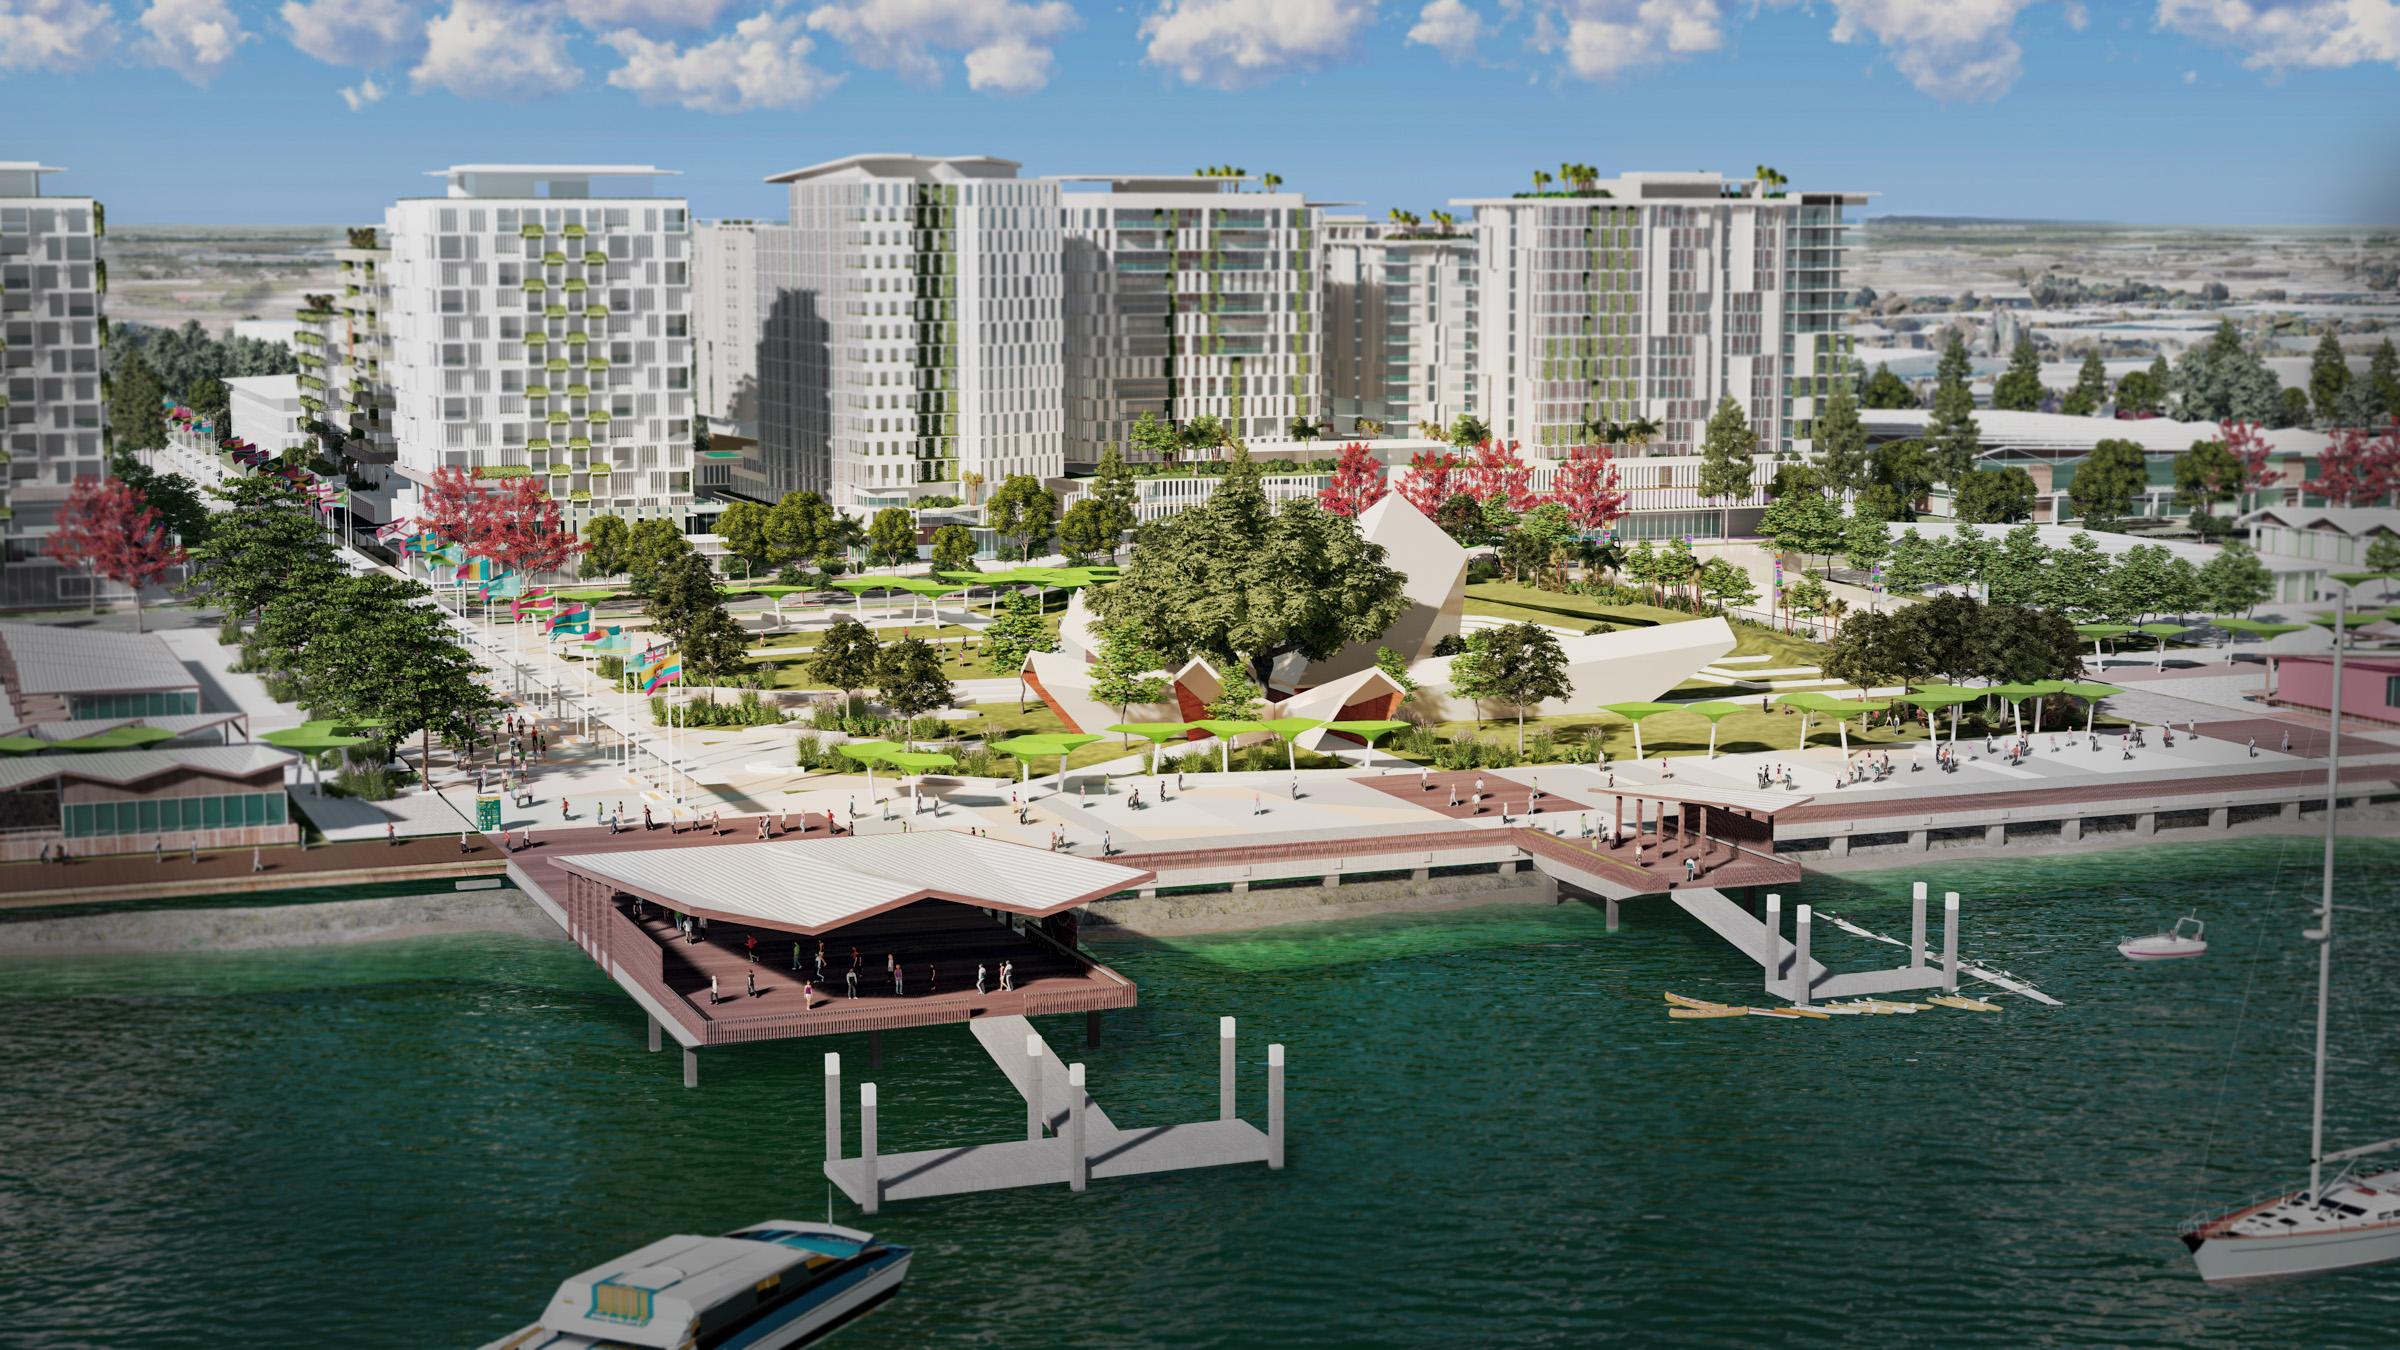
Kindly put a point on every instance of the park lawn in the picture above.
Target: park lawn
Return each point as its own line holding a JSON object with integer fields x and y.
{"x": 791, "y": 672}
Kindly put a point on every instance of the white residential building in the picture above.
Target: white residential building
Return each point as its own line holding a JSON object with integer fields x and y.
{"x": 539, "y": 323}
{"x": 1400, "y": 339}
{"x": 343, "y": 344}
{"x": 727, "y": 325}
{"x": 267, "y": 413}
{"x": 52, "y": 400}
{"x": 1185, "y": 297}
{"x": 1655, "y": 295}
{"x": 911, "y": 319}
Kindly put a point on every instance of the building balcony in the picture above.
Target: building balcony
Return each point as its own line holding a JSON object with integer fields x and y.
{"x": 529, "y": 232}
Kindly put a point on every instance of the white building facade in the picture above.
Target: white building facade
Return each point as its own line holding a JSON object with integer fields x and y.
{"x": 727, "y": 324}
{"x": 266, "y": 412}
{"x": 1656, "y": 295}
{"x": 910, "y": 312}
{"x": 52, "y": 396}
{"x": 1188, "y": 297}
{"x": 1400, "y": 338}
{"x": 539, "y": 323}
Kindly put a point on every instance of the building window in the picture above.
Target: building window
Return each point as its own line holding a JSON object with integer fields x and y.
{"x": 166, "y": 703}
{"x": 174, "y": 815}
{"x": 2391, "y": 691}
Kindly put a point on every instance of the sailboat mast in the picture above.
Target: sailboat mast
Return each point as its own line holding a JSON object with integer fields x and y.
{"x": 2333, "y": 769}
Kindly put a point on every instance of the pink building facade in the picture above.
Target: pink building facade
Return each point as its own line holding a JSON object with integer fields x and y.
{"x": 2370, "y": 686}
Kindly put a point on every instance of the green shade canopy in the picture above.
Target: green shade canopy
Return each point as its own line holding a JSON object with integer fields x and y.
{"x": 2348, "y": 620}
{"x": 924, "y": 586}
{"x": 1289, "y": 727}
{"x": 2091, "y": 692}
{"x": 1711, "y": 710}
{"x": 1940, "y": 696}
{"x": 311, "y": 738}
{"x": 2168, "y": 630}
{"x": 2013, "y": 692}
{"x": 1226, "y": 729}
{"x": 1635, "y": 712}
{"x": 919, "y": 761}
{"x": 2256, "y": 627}
{"x": 1366, "y": 731}
{"x": 1154, "y": 731}
{"x": 1803, "y": 700}
{"x": 867, "y": 752}
{"x": 2105, "y": 630}
{"x": 22, "y": 745}
{"x": 1844, "y": 709}
{"x": 1045, "y": 743}
{"x": 2361, "y": 578}
{"x": 861, "y": 585}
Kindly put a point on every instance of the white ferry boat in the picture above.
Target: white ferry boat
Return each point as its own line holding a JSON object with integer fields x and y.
{"x": 775, "y": 1284}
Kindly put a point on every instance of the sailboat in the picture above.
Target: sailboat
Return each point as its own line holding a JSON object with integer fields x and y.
{"x": 2353, "y": 1219}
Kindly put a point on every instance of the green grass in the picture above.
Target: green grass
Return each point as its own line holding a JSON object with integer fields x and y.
{"x": 1680, "y": 733}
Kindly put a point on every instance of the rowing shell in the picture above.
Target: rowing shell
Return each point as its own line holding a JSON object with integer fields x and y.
{"x": 1688, "y": 1013}
{"x": 1962, "y": 1002}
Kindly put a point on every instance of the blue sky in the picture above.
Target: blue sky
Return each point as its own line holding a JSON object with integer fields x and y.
{"x": 321, "y": 111}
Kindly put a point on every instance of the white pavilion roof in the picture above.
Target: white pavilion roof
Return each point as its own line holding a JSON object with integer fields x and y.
{"x": 811, "y": 886}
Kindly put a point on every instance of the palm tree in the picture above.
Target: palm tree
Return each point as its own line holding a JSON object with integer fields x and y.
{"x": 1270, "y": 181}
{"x": 1641, "y": 431}
{"x": 1541, "y": 181}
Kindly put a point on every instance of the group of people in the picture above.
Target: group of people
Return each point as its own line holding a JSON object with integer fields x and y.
{"x": 812, "y": 968}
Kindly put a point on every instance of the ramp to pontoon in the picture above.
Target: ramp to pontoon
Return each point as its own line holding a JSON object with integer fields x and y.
{"x": 1747, "y": 934}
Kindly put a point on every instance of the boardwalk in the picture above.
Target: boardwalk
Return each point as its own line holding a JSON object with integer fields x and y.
{"x": 1514, "y": 795}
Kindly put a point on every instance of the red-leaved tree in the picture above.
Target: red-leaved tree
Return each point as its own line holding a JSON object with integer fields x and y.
{"x": 2249, "y": 448}
{"x": 2359, "y": 467}
{"x": 1497, "y": 472}
{"x": 1357, "y": 482}
{"x": 1433, "y": 478}
{"x": 522, "y": 529}
{"x": 453, "y": 508}
{"x": 107, "y": 528}
{"x": 1586, "y": 483}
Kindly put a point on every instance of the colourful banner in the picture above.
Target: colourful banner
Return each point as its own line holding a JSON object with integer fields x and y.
{"x": 571, "y": 618}
{"x": 661, "y": 675}
{"x": 477, "y": 569}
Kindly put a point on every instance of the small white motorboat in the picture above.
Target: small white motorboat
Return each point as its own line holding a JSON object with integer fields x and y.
{"x": 2184, "y": 939}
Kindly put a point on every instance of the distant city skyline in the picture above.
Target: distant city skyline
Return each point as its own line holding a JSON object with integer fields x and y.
{"x": 323, "y": 111}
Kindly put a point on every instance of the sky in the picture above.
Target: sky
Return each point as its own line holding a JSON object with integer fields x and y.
{"x": 322, "y": 111}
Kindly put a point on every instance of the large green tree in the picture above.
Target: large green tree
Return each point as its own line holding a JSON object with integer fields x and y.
{"x": 2108, "y": 480}
{"x": 2019, "y": 388}
{"x": 1084, "y": 531}
{"x": 2205, "y": 476}
{"x": 1884, "y": 390}
{"x": 892, "y": 537}
{"x": 1841, "y": 441}
{"x": 2235, "y": 581}
{"x": 2075, "y": 578}
{"x": 953, "y": 549}
{"x": 1727, "y": 452}
{"x": 1866, "y": 541}
{"x": 743, "y": 527}
{"x": 1807, "y": 523}
{"x": 604, "y": 544}
{"x": 2091, "y": 387}
{"x": 1123, "y": 675}
{"x": 650, "y": 546}
{"x": 2013, "y": 576}
{"x": 1022, "y": 510}
{"x": 909, "y": 678}
{"x": 1231, "y": 579}
{"x": 1952, "y": 435}
{"x": 1904, "y": 473}
{"x": 1016, "y": 632}
{"x": 1113, "y": 495}
{"x": 2328, "y": 377}
{"x": 263, "y": 543}
{"x": 845, "y": 657}
{"x": 800, "y": 528}
{"x": 1528, "y": 666}
{"x": 1996, "y": 496}
{"x": 2222, "y": 380}
{"x": 2143, "y": 393}
{"x": 135, "y": 419}
{"x": 2383, "y": 382}
{"x": 176, "y": 498}
{"x": 686, "y": 607}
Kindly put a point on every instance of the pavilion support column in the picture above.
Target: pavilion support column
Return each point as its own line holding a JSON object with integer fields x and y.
{"x": 833, "y": 1107}
{"x": 2070, "y": 830}
{"x": 653, "y": 1031}
{"x": 691, "y": 1066}
{"x": 1091, "y": 1029}
{"x": 1704, "y": 831}
{"x": 1612, "y": 914}
{"x": 1949, "y": 942}
{"x": 1772, "y": 956}
{"x": 1225, "y": 1068}
{"x": 1916, "y": 926}
{"x": 870, "y": 1183}
{"x": 1801, "y": 983}
{"x": 1275, "y": 1107}
{"x": 1033, "y": 1087}
{"x": 1079, "y": 1161}
{"x": 1618, "y": 831}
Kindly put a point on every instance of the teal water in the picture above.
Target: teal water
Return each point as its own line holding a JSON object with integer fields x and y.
{"x": 1497, "y": 1135}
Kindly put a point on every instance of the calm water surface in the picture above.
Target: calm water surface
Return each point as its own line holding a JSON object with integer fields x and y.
{"x": 1497, "y": 1135}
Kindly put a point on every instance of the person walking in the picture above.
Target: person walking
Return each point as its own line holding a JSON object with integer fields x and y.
{"x": 750, "y": 945}
{"x": 1691, "y": 869}
{"x": 851, "y": 980}
{"x": 796, "y": 959}
{"x": 391, "y": 836}
{"x": 899, "y": 981}
{"x": 808, "y": 996}
{"x": 979, "y": 977}
{"x": 820, "y": 956}
{"x": 1108, "y": 845}
{"x": 752, "y": 977}
{"x": 257, "y": 861}
{"x": 158, "y": 849}
{"x": 2287, "y": 742}
{"x": 463, "y": 846}
{"x": 713, "y": 997}
{"x": 2254, "y": 747}
{"x": 563, "y": 813}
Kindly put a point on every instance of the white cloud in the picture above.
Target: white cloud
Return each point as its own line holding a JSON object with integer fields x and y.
{"x": 355, "y": 32}
{"x": 1951, "y": 49}
{"x": 1009, "y": 66}
{"x": 611, "y": 14}
{"x": 1230, "y": 43}
{"x": 482, "y": 49}
{"x": 1603, "y": 38}
{"x": 54, "y": 34}
{"x": 2078, "y": 18}
{"x": 366, "y": 91}
{"x": 2292, "y": 34}
{"x": 2191, "y": 77}
{"x": 1450, "y": 27}
{"x": 193, "y": 38}
{"x": 762, "y": 63}
{"x": 1006, "y": 42}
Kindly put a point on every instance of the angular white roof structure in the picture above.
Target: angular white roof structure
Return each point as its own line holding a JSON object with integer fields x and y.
{"x": 51, "y": 659}
{"x": 812, "y": 886}
{"x": 124, "y": 768}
